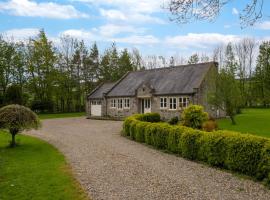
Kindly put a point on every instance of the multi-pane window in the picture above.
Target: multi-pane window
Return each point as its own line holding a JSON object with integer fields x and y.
{"x": 172, "y": 103}
{"x": 147, "y": 103}
{"x": 183, "y": 102}
{"x": 126, "y": 103}
{"x": 120, "y": 103}
{"x": 163, "y": 102}
{"x": 113, "y": 103}
{"x": 96, "y": 102}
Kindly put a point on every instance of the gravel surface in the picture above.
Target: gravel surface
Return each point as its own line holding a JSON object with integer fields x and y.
{"x": 113, "y": 167}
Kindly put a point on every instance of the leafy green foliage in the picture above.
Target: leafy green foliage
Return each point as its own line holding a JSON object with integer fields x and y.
{"x": 173, "y": 121}
{"x": 193, "y": 59}
{"x": 14, "y": 95}
{"x": 150, "y": 117}
{"x": 42, "y": 106}
{"x": 262, "y": 74}
{"x": 194, "y": 116}
{"x": 17, "y": 118}
{"x": 242, "y": 153}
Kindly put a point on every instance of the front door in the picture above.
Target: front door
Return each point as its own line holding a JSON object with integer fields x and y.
{"x": 146, "y": 105}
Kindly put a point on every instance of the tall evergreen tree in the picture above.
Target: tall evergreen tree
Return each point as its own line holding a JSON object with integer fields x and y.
{"x": 262, "y": 74}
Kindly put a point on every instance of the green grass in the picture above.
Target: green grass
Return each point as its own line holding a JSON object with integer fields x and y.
{"x": 254, "y": 121}
{"x": 35, "y": 170}
{"x": 61, "y": 115}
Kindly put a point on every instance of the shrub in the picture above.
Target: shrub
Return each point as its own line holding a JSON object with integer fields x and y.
{"x": 263, "y": 172}
{"x": 160, "y": 136}
{"x": 243, "y": 153}
{"x": 173, "y": 121}
{"x": 174, "y": 136}
{"x": 149, "y": 117}
{"x": 17, "y": 118}
{"x": 210, "y": 126}
{"x": 139, "y": 131}
{"x": 213, "y": 148}
{"x": 14, "y": 95}
{"x": 189, "y": 143}
{"x": 42, "y": 106}
{"x": 194, "y": 116}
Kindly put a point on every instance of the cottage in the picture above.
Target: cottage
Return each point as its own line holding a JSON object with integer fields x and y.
{"x": 167, "y": 91}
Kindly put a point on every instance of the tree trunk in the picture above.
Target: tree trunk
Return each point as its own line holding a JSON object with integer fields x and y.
{"x": 13, "y": 133}
{"x": 233, "y": 120}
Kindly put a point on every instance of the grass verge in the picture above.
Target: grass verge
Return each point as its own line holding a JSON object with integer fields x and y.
{"x": 61, "y": 115}
{"x": 35, "y": 170}
{"x": 253, "y": 121}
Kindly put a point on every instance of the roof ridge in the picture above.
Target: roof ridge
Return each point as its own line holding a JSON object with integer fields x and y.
{"x": 175, "y": 66}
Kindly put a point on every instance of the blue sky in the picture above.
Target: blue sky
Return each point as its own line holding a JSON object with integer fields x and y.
{"x": 130, "y": 23}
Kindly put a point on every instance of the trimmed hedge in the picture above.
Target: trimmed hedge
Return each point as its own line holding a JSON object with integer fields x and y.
{"x": 242, "y": 153}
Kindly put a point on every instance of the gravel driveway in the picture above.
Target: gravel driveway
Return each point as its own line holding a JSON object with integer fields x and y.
{"x": 113, "y": 167}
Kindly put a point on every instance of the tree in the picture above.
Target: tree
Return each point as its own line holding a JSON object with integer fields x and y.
{"x": 125, "y": 64}
{"x": 17, "y": 118}
{"x": 194, "y": 116}
{"x": 227, "y": 95}
{"x": 193, "y": 59}
{"x": 14, "y": 95}
{"x": 41, "y": 67}
{"x": 183, "y": 11}
{"x": 262, "y": 74}
{"x": 136, "y": 60}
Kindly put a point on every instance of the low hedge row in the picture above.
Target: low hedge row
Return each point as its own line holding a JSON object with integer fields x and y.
{"x": 243, "y": 153}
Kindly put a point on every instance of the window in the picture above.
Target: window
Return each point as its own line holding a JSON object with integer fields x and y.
{"x": 120, "y": 103}
{"x": 172, "y": 103}
{"x": 113, "y": 103}
{"x": 126, "y": 103}
{"x": 163, "y": 102}
{"x": 147, "y": 103}
{"x": 183, "y": 102}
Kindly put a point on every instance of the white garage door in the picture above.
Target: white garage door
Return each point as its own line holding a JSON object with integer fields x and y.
{"x": 96, "y": 108}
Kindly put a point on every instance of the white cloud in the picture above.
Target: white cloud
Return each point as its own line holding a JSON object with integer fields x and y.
{"x": 142, "y": 6}
{"x": 138, "y": 39}
{"x": 263, "y": 25}
{"x": 21, "y": 34}
{"x": 80, "y": 34}
{"x": 129, "y": 17}
{"x": 200, "y": 40}
{"x": 33, "y": 9}
{"x": 97, "y": 35}
{"x": 128, "y": 11}
{"x": 235, "y": 11}
{"x": 112, "y": 29}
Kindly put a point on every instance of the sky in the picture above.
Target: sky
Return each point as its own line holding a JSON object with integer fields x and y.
{"x": 142, "y": 24}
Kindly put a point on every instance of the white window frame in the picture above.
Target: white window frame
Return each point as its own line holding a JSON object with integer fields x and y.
{"x": 163, "y": 103}
{"x": 126, "y": 103}
{"x": 120, "y": 104}
{"x": 183, "y": 104}
{"x": 113, "y": 103}
{"x": 172, "y": 103}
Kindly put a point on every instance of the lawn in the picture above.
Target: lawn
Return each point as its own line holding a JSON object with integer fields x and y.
{"x": 61, "y": 115}
{"x": 254, "y": 121}
{"x": 35, "y": 170}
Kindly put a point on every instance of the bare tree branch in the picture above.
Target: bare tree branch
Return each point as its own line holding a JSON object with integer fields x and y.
{"x": 186, "y": 11}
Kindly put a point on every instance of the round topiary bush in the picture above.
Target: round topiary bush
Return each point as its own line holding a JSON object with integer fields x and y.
{"x": 194, "y": 116}
{"x": 17, "y": 118}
